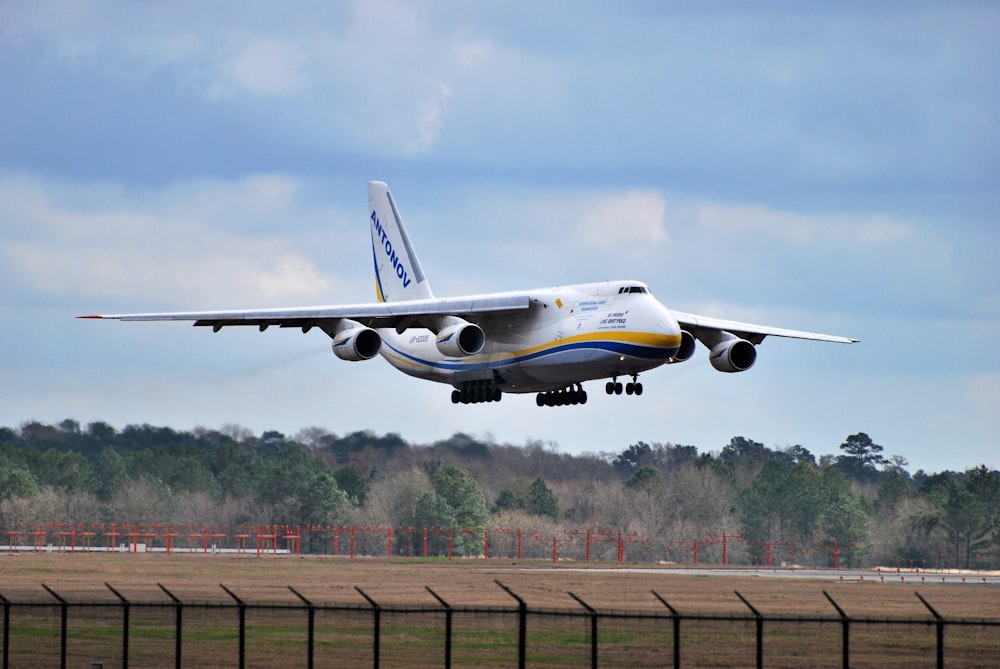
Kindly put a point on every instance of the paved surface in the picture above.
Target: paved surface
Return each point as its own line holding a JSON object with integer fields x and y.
{"x": 903, "y": 576}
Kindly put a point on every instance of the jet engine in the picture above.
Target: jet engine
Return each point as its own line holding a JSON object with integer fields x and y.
{"x": 460, "y": 339}
{"x": 733, "y": 355}
{"x": 358, "y": 343}
{"x": 686, "y": 349}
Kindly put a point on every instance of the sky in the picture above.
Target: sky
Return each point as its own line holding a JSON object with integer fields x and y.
{"x": 826, "y": 167}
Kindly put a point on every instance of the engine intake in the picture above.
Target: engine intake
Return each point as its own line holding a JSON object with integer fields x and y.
{"x": 733, "y": 355}
{"x": 461, "y": 339}
{"x": 686, "y": 350}
{"x": 355, "y": 344}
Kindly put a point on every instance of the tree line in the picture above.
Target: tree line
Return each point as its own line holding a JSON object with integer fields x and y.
{"x": 859, "y": 502}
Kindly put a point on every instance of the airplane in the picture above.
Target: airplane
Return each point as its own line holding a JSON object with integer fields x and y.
{"x": 547, "y": 341}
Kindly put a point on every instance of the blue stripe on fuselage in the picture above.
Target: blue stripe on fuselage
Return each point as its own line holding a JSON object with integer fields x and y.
{"x": 616, "y": 347}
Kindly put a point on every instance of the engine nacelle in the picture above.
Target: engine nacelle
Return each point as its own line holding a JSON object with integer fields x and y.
{"x": 686, "y": 350}
{"x": 460, "y": 339}
{"x": 358, "y": 343}
{"x": 733, "y": 355}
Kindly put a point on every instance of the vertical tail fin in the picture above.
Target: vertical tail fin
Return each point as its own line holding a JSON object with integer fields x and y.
{"x": 398, "y": 275}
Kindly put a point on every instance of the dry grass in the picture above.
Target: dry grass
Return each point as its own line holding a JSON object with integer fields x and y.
{"x": 471, "y": 583}
{"x": 344, "y": 638}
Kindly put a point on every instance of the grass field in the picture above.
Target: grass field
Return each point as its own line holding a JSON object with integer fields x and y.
{"x": 344, "y": 638}
{"x": 471, "y": 583}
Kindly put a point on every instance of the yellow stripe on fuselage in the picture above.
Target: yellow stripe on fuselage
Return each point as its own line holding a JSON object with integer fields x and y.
{"x": 651, "y": 339}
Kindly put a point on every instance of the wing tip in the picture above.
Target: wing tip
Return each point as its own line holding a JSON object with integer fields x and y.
{"x": 92, "y": 316}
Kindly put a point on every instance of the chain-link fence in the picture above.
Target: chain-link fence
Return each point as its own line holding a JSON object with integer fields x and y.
{"x": 105, "y": 629}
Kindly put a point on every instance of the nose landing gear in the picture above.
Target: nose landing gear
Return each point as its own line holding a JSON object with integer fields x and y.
{"x": 614, "y": 387}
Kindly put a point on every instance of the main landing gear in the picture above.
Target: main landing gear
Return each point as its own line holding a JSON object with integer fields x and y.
{"x": 574, "y": 394}
{"x": 614, "y": 387}
{"x": 474, "y": 392}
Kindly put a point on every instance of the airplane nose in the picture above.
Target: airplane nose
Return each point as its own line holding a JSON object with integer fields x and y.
{"x": 667, "y": 324}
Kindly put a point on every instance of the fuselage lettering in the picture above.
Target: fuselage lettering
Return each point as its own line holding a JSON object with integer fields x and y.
{"x": 617, "y": 318}
{"x": 386, "y": 243}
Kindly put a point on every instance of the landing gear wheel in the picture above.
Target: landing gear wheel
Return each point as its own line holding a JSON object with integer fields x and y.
{"x": 609, "y": 388}
{"x": 618, "y": 388}
{"x": 574, "y": 394}
{"x": 476, "y": 392}
{"x": 638, "y": 389}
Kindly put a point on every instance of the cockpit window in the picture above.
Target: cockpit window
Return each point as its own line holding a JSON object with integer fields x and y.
{"x": 632, "y": 289}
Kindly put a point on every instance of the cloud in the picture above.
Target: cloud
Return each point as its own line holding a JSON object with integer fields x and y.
{"x": 255, "y": 201}
{"x": 473, "y": 54}
{"x": 176, "y": 277}
{"x": 634, "y": 218}
{"x": 799, "y": 228}
{"x": 165, "y": 247}
{"x": 429, "y": 121}
{"x": 555, "y": 237}
{"x": 261, "y": 66}
{"x": 984, "y": 396}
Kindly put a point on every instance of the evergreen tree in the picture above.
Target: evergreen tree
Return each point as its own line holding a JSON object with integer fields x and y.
{"x": 508, "y": 500}
{"x": 644, "y": 477}
{"x": 862, "y": 459}
{"x": 353, "y": 484}
{"x": 17, "y": 481}
{"x": 542, "y": 501}
{"x": 463, "y": 494}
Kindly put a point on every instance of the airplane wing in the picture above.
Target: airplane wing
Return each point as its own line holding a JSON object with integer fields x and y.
{"x": 375, "y": 315}
{"x": 749, "y": 331}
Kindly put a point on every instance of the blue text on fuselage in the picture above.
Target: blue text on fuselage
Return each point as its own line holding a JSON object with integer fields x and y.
{"x": 386, "y": 243}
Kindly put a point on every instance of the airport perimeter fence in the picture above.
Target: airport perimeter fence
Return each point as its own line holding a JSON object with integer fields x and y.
{"x": 104, "y": 629}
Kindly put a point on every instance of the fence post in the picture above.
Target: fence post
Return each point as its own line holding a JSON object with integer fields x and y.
{"x": 178, "y": 617}
{"x": 593, "y": 629}
{"x": 846, "y": 624}
{"x": 311, "y": 629}
{"x": 377, "y": 613}
{"x": 125, "y": 616}
{"x": 243, "y": 624}
{"x": 940, "y": 630}
{"x": 760, "y": 630}
{"x": 447, "y": 627}
{"x": 522, "y": 626}
{"x": 6, "y": 632}
{"x": 677, "y": 628}
{"x": 62, "y": 634}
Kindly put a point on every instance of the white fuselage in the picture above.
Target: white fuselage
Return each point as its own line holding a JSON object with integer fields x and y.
{"x": 567, "y": 335}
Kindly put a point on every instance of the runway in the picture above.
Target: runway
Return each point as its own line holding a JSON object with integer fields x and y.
{"x": 884, "y": 575}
